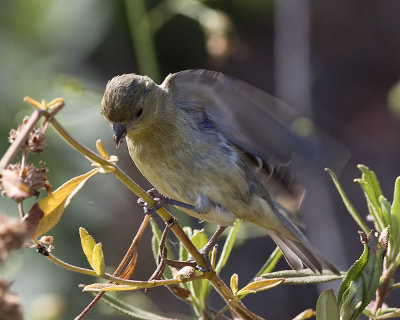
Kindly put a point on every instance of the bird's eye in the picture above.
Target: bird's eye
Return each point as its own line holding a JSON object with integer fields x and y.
{"x": 139, "y": 113}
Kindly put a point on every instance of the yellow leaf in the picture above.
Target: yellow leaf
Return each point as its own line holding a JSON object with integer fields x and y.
{"x": 98, "y": 263}
{"x": 260, "y": 285}
{"x": 87, "y": 243}
{"x": 54, "y": 205}
{"x": 306, "y": 314}
{"x": 109, "y": 287}
{"x": 234, "y": 283}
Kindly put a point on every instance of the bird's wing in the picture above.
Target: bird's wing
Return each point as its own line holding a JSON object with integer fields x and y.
{"x": 254, "y": 120}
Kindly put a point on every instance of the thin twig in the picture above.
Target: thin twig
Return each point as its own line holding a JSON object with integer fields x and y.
{"x": 131, "y": 251}
{"x": 13, "y": 149}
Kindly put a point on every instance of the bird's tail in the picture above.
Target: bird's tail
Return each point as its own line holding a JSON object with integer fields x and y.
{"x": 295, "y": 246}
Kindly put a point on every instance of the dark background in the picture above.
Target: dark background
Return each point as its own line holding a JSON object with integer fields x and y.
{"x": 337, "y": 62}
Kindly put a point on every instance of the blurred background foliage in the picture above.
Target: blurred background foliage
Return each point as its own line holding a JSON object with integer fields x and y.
{"x": 338, "y": 62}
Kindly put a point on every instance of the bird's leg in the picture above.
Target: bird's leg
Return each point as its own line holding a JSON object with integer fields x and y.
{"x": 162, "y": 201}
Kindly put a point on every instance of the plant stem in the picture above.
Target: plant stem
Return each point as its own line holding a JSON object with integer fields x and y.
{"x": 235, "y": 304}
{"x": 117, "y": 272}
{"x": 142, "y": 38}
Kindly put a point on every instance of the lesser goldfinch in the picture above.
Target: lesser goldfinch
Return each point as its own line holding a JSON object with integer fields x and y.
{"x": 204, "y": 139}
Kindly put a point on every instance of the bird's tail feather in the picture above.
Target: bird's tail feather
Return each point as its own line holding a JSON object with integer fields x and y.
{"x": 295, "y": 246}
{"x": 298, "y": 252}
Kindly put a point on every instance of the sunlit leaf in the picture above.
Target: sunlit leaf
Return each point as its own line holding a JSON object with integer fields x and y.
{"x": 350, "y": 208}
{"x": 260, "y": 285}
{"x": 234, "y": 283}
{"x": 98, "y": 263}
{"x": 110, "y": 287}
{"x": 306, "y": 314}
{"x": 53, "y": 206}
{"x": 87, "y": 243}
{"x": 199, "y": 239}
{"x": 327, "y": 308}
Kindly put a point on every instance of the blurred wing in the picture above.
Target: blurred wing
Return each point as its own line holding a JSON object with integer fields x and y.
{"x": 254, "y": 120}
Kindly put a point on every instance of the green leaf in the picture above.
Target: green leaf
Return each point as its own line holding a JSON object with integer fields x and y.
{"x": 302, "y": 277}
{"x": 395, "y": 221}
{"x": 350, "y": 208}
{"x": 372, "y": 191}
{"x": 183, "y": 253}
{"x": 389, "y": 313}
{"x": 359, "y": 287}
{"x": 98, "y": 263}
{"x": 234, "y": 283}
{"x": 199, "y": 289}
{"x": 327, "y": 308}
{"x": 260, "y": 285}
{"x": 199, "y": 239}
{"x": 87, "y": 243}
{"x": 352, "y": 274}
{"x": 386, "y": 209}
{"x": 130, "y": 310}
{"x": 228, "y": 245}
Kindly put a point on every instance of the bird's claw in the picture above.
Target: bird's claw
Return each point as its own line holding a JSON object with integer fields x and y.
{"x": 161, "y": 201}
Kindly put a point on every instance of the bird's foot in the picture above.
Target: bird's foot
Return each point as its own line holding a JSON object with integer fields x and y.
{"x": 162, "y": 201}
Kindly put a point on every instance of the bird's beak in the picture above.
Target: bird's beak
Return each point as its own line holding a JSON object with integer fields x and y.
{"x": 119, "y": 132}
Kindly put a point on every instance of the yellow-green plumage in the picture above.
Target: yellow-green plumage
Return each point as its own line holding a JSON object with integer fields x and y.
{"x": 189, "y": 153}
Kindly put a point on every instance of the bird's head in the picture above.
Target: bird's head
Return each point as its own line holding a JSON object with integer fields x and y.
{"x": 127, "y": 103}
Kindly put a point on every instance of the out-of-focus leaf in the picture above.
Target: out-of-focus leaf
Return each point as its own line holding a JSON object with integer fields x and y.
{"x": 350, "y": 208}
{"x": 327, "y": 308}
{"x": 395, "y": 221}
{"x": 53, "y": 206}
{"x": 228, "y": 245}
{"x": 234, "y": 283}
{"x": 389, "y": 313}
{"x": 372, "y": 191}
{"x": 306, "y": 314}
{"x": 198, "y": 289}
{"x": 87, "y": 243}
{"x": 130, "y": 310}
{"x": 386, "y": 209}
{"x": 302, "y": 277}
{"x": 98, "y": 263}
{"x": 260, "y": 285}
{"x": 183, "y": 254}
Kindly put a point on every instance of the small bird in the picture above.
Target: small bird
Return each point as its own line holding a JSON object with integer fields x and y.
{"x": 209, "y": 142}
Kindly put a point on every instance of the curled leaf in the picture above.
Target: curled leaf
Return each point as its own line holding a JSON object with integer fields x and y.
{"x": 52, "y": 207}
